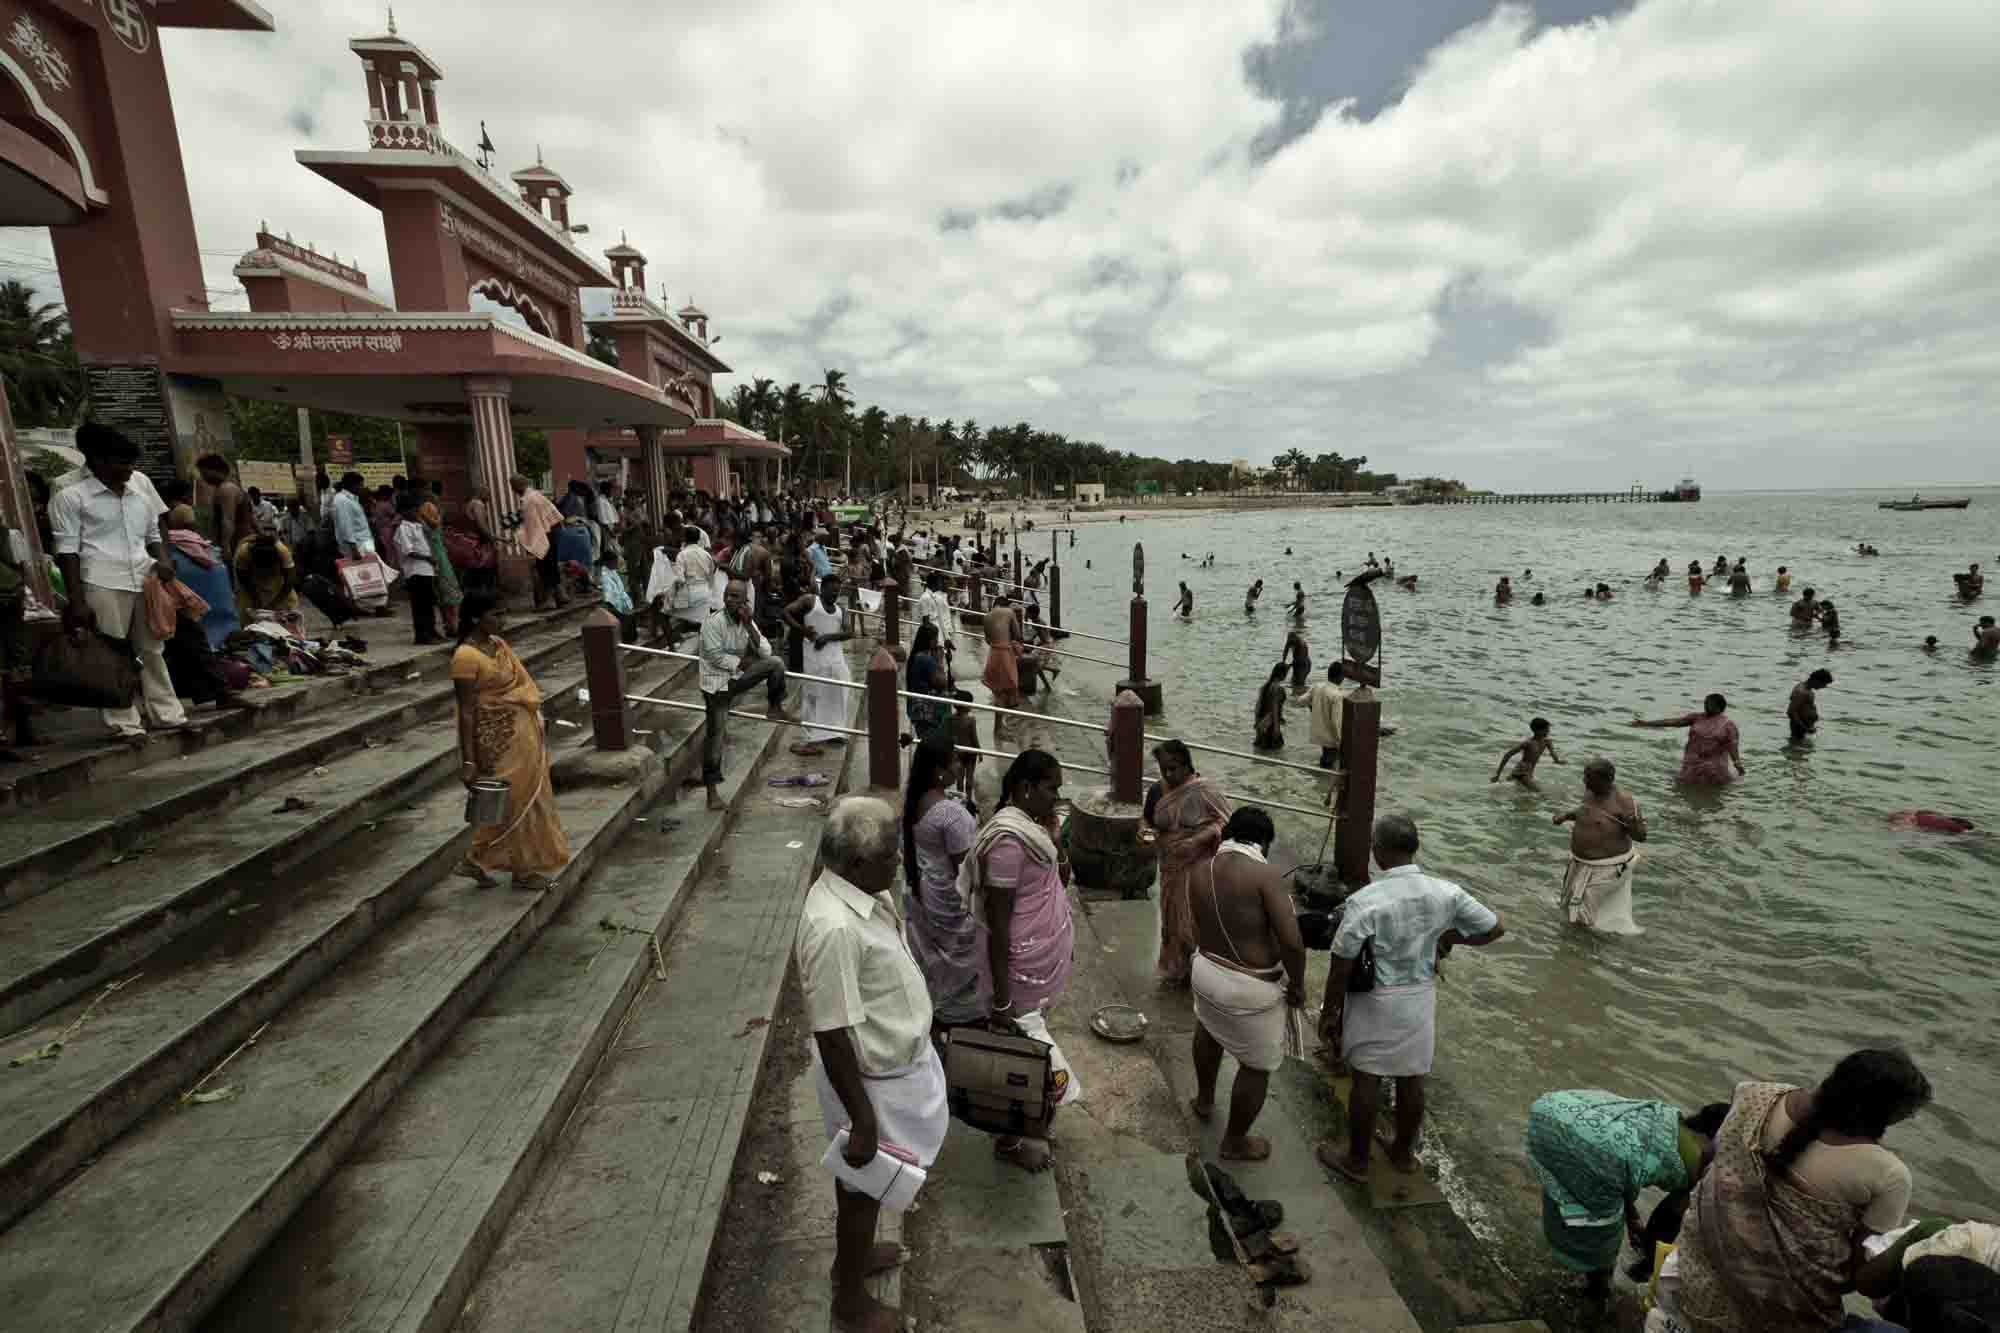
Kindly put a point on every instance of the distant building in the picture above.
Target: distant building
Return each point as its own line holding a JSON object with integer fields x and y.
{"x": 1090, "y": 492}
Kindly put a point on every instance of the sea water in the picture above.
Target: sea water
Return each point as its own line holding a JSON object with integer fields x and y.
{"x": 1786, "y": 922}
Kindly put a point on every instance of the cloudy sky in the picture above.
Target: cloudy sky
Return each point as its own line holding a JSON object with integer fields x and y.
{"x": 1575, "y": 244}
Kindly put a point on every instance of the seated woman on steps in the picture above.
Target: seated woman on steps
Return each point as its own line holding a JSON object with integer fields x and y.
{"x": 500, "y": 736}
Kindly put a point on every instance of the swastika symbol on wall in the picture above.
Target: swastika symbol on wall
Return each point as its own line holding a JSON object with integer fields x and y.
{"x": 128, "y": 25}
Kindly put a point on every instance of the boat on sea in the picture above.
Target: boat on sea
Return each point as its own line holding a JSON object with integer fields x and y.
{"x": 1685, "y": 493}
{"x": 1917, "y": 502}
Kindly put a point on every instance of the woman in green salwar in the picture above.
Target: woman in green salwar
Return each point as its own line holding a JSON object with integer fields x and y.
{"x": 447, "y": 590}
{"x": 1594, "y": 1152}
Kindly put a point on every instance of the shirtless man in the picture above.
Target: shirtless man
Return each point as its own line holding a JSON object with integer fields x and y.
{"x": 1185, "y": 607}
{"x": 1985, "y": 638}
{"x": 1503, "y": 591}
{"x": 1531, "y": 751}
{"x": 1003, "y": 669}
{"x": 1248, "y": 976}
{"x": 1250, "y": 597}
{"x": 1806, "y": 609}
{"x": 1600, "y": 843}
{"x": 1661, "y": 573}
{"x": 1297, "y": 610}
{"x": 1803, "y": 711}
{"x": 1739, "y": 581}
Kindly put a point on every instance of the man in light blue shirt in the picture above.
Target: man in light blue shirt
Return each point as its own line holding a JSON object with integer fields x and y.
{"x": 351, "y": 532}
{"x": 822, "y": 565}
{"x": 1409, "y": 922}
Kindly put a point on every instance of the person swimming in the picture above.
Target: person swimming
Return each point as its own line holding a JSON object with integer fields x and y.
{"x": 1530, "y": 751}
{"x": 1603, "y": 592}
{"x": 1695, "y": 579}
{"x": 1538, "y": 600}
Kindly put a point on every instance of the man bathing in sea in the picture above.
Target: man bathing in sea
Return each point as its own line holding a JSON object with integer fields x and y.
{"x": 1597, "y": 885}
{"x": 1503, "y": 591}
{"x": 1186, "y": 604}
{"x": 1531, "y": 751}
{"x": 1250, "y": 597}
{"x": 1297, "y": 610}
{"x": 1803, "y": 711}
{"x": 1739, "y": 581}
{"x": 1661, "y": 573}
{"x": 1248, "y": 976}
{"x": 1985, "y": 638}
{"x": 1806, "y": 609}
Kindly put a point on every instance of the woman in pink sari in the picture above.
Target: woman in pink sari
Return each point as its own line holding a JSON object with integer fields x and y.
{"x": 1188, "y": 816}
{"x": 1711, "y": 745}
{"x": 1017, "y": 881}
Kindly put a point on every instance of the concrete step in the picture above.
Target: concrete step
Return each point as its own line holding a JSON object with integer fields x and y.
{"x": 254, "y": 946}
{"x": 107, "y": 919}
{"x": 56, "y": 839}
{"x": 226, "y": 1174}
{"x": 617, "y": 1228}
{"x": 72, "y": 770}
{"x": 398, "y": 1235}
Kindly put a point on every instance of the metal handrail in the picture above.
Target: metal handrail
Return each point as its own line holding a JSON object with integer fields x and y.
{"x": 1265, "y": 804}
{"x": 981, "y": 638}
{"x": 995, "y": 708}
{"x": 789, "y": 675}
{"x": 1008, "y": 583}
{"x": 1240, "y": 754}
{"x": 753, "y": 717}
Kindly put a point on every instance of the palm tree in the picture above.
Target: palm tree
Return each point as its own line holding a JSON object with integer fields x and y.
{"x": 762, "y": 406}
{"x": 1294, "y": 463}
{"x": 831, "y": 420}
{"x": 1350, "y": 466}
{"x": 44, "y": 383}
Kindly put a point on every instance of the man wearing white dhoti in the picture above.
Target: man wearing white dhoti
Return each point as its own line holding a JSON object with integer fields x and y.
{"x": 1597, "y": 883}
{"x": 1248, "y": 976}
{"x": 1409, "y": 922}
{"x": 876, "y": 1073}
{"x": 822, "y": 627}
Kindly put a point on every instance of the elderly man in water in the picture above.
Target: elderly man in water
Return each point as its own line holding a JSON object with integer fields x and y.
{"x": 1803, "y": 711}
{"x": 1597, "y": 885}
{"x": 1249, "y": 976}
{"x": 1985, "y": 638}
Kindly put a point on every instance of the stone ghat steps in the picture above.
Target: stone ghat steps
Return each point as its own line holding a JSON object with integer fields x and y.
{"x": 229, "y": 837}
{"x": 130, "y": 812}
{"x": 269, "y": 710}
{"x": 199, "y": 984}
{"x": 402, "y": 1231}
{"x": 152, "y": 1231}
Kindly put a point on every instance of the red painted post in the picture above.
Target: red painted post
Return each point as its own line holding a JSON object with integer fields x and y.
{"x": 892, "y": 612}
{"x": 1135, "y": 641}
{"x": 1360, "y": 734}
{"x": 885, "y": 757}
{"x": 604, "y": 677}
{"x": 1128, "y": 728}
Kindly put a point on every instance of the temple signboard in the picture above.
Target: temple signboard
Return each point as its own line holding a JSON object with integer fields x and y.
{"x": 132, "y": 399}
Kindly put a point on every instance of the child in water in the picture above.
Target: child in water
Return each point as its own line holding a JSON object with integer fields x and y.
{"x": 1531, "y": 751}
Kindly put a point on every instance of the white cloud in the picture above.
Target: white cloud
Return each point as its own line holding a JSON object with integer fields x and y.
{"x": 1698, "y": 225}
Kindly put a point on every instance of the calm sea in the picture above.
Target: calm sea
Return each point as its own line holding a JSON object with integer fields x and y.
{"x": 1786, "y": 921}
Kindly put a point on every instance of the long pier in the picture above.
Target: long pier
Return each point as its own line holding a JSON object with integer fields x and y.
{"x": 1563, "y": 497}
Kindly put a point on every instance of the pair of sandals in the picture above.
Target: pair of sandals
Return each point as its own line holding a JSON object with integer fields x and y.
{"x": 484, "y": 879}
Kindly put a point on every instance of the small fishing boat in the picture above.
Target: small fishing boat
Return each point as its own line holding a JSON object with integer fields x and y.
{"x": 1917, "y": 502}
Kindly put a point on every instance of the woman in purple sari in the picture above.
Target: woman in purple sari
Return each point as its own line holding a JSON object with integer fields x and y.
{"x": 1711, "y": 745}
{"x": 1018, "y": 882}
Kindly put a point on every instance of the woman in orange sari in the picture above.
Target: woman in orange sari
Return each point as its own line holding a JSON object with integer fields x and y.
{"x": 1188, "y": 815}
{"x": 500, "y": 736}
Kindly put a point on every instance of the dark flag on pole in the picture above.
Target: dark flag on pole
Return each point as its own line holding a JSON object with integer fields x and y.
{"x": 486, "y": 149}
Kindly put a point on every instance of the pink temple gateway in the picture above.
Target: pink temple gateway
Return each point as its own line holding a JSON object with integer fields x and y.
{"x": 485, "y": 333}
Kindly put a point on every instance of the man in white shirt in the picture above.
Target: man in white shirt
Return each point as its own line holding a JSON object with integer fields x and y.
{"x": 934, "y": 605}
{"x": 107, "y": 538}
{"x": 1410, "y": 922}
{"x": 607, "y": 515}
{"x": 735, "y": 659}
{"x": 875, "y": 1070}
{"x": 1324, "y": 707}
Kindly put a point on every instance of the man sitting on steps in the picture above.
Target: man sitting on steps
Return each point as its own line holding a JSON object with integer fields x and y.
{"x": 735, "y": 658}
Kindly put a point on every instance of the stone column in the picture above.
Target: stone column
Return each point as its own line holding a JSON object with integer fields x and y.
{"x": 659, "y": 485}
{"x": 17, "y": 503}
{"x": 492, "y": 431}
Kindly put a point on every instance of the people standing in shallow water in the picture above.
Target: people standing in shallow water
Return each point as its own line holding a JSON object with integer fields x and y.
{"x": 1711, "y": 744}
{"x": 1806, "y": 609}
{"x": 1597, "y": 883}
{"x": 1299, "y": 653}
{"x": 1503, "y": 591}
{"x": 1829, "y": 620}
{"x": 1250, "y": 597}
{"x": 1986, "y": 638}
{"x": 1531, "y": 751}
{"x": 1803, "y": 711}
{"x": 1783, "y": 585}
{"x": 1185, "y": 607}
{"x": 1661, "y": 573}
{"x": 1739, "y": 581}
{"x": 1297, "y": 610}
{"x": 1271, "y": 711}
{"x": 1695, "y": 579}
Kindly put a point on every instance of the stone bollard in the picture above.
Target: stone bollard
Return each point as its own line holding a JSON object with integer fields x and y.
{"x": 1360, "y": 734}
{"x": 885, "y": 721}
{"x": 1128, "y": 728}
{"x": 1149, "y": 691}
{"x": 604, "y": 677}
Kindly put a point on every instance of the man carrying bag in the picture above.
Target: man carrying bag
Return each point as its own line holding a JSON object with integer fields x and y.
{"x": 107, "y": 539}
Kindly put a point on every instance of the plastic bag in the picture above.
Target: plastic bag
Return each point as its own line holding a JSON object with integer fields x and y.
{"x": 85, "y": 670}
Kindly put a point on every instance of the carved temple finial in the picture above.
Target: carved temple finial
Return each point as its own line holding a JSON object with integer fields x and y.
{"x": 538, "y": 155}
{"x": 392, "y": 20}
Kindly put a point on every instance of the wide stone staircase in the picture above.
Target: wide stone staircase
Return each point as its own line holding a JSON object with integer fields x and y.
{"x": 265, "y": 1063}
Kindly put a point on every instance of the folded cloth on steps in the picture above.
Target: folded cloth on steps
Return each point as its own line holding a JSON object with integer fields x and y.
{"x": 1598, "y": 894}
{"x": 1244, "y": 1011}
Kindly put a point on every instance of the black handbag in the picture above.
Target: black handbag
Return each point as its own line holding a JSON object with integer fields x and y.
{"x": 1362, "y": 978}
{"x": 85, "y": 670}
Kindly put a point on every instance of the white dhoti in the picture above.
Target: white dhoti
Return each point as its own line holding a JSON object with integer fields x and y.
{"x": 1243, "y": 1011}
{"x": 1598, "y": 894}
{"x": 823, "y": 708}
{"x": 1391, "y": 1030}
{"x": 910, "y": 1110}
